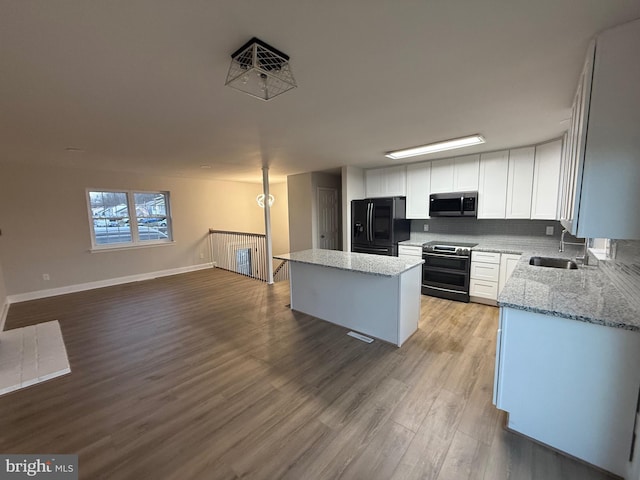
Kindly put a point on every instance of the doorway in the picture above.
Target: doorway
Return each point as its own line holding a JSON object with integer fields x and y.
{"x": 328, "y": 218}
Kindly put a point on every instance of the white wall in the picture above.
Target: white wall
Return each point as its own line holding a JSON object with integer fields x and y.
{"x": 46, "y": 226}
{"x": 299, "y": 189}
{"x": 326, "y": 180}
{"x": 303, "y": 207}
{"x": 352, "y": 189}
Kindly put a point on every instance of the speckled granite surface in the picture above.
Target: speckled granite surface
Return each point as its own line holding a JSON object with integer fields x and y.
{"x": 355, "y": 262}
{"x": 587, "y": 294}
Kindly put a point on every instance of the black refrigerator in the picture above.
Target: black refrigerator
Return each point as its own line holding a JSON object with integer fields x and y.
{"x": 378, "y": 224}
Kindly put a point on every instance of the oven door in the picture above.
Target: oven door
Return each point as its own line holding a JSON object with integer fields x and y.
{"x": 446, "y": 276}
{"x": 450, "y": 263}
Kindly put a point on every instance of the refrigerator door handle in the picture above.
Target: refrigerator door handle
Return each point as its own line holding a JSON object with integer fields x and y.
{"x": 369, "y": 206}
{"x": 371, "y": 222}
{"x": 366, "y": 224}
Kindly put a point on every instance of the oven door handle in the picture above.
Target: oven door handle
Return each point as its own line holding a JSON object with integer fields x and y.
{"x": 443, "y": 255}
{"x": 444, "y": 289}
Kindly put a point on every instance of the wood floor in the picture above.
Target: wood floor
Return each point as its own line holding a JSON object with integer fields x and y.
{"x": 209, "y": 375}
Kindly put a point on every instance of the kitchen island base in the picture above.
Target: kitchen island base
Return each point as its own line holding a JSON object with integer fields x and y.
{"x": 384, "y": 307}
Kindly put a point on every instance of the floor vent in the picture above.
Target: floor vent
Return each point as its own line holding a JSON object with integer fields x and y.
{"x": 360, "y": 337}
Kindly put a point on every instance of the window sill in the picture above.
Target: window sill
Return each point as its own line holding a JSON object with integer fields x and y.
{"x": 103, "y": 249}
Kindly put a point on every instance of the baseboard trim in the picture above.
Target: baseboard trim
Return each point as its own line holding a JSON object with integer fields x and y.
{"x": 486, "y": 301}
{"x": 80, "y": 287}
{"x": 3, "y": 314}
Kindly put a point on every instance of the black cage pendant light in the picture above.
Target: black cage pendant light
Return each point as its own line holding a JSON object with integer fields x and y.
{"x": 260, "y": 70}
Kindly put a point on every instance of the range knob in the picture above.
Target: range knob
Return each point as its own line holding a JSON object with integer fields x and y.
{"x": 462, "y": 251}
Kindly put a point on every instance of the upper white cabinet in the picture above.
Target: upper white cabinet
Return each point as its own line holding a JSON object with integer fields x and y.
{"x": 546, "y": 181}
{"x": 492, "y": 185}
{"x": 520, "y": 182}
{"x": 457, "y": 174}
{"x": 442, "y": 176}
{"x": 601, "y": 171}
{"x": 465, "y": 173}
{"x": 418, "y": 190}
{"x": 385, "y": 182}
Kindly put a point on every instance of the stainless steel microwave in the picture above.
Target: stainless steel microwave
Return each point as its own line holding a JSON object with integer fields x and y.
{"x": 456, "y": 204}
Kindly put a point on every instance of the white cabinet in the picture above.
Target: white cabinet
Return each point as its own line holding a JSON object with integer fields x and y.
{"x": 602, "y": 161}
{"x": 508, "y": 262}
{"x": 569, "y": 384}
{"x": 485, "y": 273}
{"x": 520, "y": 182}
{"x": 492, "y": 188}
{"x": 409, "y": 251}
{"x": 465, "y": 173}
{"x": 546, "y": 181}
{"x": 418, "y": 190}
{"x": 385, "y": 182}
{"x": 457, "y": 174}
{"x": 442, "y": 176}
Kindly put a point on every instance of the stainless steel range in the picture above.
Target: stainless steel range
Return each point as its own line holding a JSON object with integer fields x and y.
{"x": 446, "y": 269}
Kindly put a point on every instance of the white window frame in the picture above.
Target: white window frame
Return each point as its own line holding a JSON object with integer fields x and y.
{"x": 131, "y": 207}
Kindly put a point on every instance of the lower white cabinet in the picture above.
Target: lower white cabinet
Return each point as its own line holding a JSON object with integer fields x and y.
{"x": 508, "y": 262}
{"x": 569, "y": 384}
{"x": 485, "y": 273}
{"x": 489, "y": 273}
{"x": 409, "y": 251}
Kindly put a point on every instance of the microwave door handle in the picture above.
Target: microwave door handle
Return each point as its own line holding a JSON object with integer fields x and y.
{"x": 462, "y": 205}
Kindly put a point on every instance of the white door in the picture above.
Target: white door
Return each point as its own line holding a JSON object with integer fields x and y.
{"x": 328, "y": 218}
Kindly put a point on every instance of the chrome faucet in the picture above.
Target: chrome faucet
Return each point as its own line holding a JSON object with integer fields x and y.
{"x": 584, "y": 258}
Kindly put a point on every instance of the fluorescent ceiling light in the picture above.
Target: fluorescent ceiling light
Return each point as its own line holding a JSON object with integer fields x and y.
{"x": 437, "y": 147}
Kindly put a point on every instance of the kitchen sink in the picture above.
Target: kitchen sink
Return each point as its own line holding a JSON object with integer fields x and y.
{"x": 553, "y": 262}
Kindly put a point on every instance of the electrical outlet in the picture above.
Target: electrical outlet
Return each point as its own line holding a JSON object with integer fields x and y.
{"x": 46, "y": 277}
{"x": 550, "y": 230}
{"x": 426, "y": 227}
{"x": 201, "y": 255}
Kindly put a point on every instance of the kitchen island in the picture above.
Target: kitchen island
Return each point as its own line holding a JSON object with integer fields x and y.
{"x": 375, "y": 295}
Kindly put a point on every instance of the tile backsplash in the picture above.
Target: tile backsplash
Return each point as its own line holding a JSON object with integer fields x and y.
{"x": 624, "y": 269}
{"x": 473, "y": 226}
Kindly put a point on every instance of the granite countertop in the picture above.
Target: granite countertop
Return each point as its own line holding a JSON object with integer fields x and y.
{"x": 356, "y": 262}
{"x": 587, "y": 294}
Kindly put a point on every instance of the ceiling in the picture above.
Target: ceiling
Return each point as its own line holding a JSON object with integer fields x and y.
{"x": 139, "y": 85}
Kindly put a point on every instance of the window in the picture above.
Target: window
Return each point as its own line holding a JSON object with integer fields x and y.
{"x": 113, "y": 213}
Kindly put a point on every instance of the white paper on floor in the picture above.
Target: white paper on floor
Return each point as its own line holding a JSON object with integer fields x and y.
{"x": 31, "y": 355}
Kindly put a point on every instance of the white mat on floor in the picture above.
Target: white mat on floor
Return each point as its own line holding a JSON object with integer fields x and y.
{"x": 31, "y": 355}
